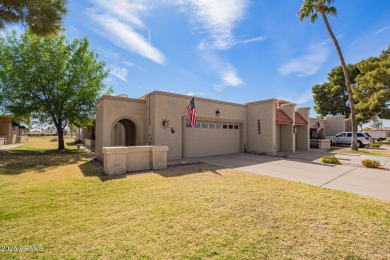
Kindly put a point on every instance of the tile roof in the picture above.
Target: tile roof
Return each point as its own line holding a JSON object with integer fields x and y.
{"x": 299, "y": 120}
{"x": 281, "y": 117}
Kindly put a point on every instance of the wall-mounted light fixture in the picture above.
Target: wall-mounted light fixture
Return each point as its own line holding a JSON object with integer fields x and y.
{"x": 295, "y": 129}
{"x": 217, "y": 112}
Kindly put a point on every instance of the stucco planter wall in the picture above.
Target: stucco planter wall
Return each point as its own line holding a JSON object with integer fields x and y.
{"x": 2, "y": 141}
{"x": 324, "y": 144}
{"x": 89, "y": 142}
{"x": 118, "y": 160}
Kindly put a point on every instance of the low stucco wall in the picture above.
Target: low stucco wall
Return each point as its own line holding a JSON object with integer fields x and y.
{"x": 118, "y": 160}
{"x": 89, "y": 142}
{"x": 2, "y": 141}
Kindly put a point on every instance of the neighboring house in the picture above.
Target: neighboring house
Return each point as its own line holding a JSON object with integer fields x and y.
{"x": 161, "y": 118}
{"x": 86, "y": 135}
{"x": 12, "y": 132}
{"x": 329, "y": 126}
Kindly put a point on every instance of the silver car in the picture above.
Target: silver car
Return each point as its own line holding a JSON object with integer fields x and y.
{"x": 363, "y": 139}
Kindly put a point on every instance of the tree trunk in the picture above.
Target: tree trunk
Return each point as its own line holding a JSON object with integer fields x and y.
{"x": 60, "y": 132}
{"x": 347, "y": 83}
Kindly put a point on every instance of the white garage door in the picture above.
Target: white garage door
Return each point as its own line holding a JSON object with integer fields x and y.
{"x": 212, "y": 139}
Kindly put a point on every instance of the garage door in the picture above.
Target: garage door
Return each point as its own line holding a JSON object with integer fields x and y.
{"x": 212, "y": 139}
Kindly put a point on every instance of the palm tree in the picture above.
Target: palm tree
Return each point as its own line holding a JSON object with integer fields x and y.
{"x": 311, "y": 8}
{"x": 42, "y": 17}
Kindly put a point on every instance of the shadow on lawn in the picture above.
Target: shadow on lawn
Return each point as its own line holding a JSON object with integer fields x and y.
{"x": 94, "y": 168}
{"x": 19, "y": 161}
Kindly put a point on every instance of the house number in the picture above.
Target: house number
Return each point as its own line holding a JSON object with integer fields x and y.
{"x": 258, "y": 127}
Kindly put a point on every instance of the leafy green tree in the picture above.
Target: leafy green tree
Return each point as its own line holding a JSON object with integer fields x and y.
{"x": 372, "y": 92}
{"x": 331, "y": 98}
{"x": 311, "y": 8}
{"x": 50, "y": 79}
{"x": 376, "y": 123}
{"x": 43, "y": 17}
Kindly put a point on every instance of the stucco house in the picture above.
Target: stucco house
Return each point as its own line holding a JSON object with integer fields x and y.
{"x": 329, "y": 126}
{"x": 161, "y": 118}
{"x": 11, "y": 131}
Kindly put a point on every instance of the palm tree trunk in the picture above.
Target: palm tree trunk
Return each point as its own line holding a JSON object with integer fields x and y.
{"x": 347, "y": 83}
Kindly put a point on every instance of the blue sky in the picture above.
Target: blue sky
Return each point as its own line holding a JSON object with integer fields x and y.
{"x": 231, "y": 50}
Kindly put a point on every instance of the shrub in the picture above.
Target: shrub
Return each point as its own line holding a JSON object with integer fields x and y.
{"x": 371, "y": 163}
{"x": 330, "y": 159}
{"x": 375, "y": 145}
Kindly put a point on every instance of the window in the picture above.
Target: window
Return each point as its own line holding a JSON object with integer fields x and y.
{"x": 230, "y": 126}
{"x": 218, "y": 126}
{"x": 340, "y": 135}
{"x": 235, "y": 126}
{"x": 349, "y": 134}
{"x": 360, "y": 134}
{"x": 225, "y": 126}
{"x": 188, "y": 124}
{"x": 197, "y": 125}
{"x": 204, "y": 125}
{"x": 211, "y": 125}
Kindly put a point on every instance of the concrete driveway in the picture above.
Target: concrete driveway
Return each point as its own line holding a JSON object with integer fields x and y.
{"x": 306, "y": 169}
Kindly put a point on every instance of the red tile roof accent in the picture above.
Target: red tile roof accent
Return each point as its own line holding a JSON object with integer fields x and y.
{"x": 299, "y": 120}
{"x": 281, "y": 117}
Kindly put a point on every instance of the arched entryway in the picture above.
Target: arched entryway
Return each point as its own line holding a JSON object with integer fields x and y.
{"x": 124, "y": 133}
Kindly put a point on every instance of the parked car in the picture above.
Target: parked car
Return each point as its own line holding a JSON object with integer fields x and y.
{"x": 345, "y": 138}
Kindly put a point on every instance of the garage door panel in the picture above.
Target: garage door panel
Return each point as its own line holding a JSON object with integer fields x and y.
{"x": 211, "y": 141}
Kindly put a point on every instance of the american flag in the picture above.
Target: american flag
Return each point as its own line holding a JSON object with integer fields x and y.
{"x": 192, "y": 112}
{"x": 317, "y": 125}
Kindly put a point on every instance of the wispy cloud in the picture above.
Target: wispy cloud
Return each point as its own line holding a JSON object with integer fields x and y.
{"x": 118, "y": 21}
{"x": 219, "y": 18}
{"x": 119, "y": 72}
{"x": 303, "y": 98}
{"x": 381, "y": 29}
{"x": 253, "y": 39}
{"x": 356, "y": 41}
{"x": 229, "y": 78}
{"x": 193, "y": 94}
{"x": 307, "y": 64}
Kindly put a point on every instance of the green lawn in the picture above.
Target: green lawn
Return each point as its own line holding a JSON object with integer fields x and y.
{"x": 376, "y": 152}
{"x": 73, "y": 211}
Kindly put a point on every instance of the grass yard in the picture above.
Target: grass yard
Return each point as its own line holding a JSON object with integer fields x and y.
{"x": 376, "y": 152}
{"x": 68, "y": 207}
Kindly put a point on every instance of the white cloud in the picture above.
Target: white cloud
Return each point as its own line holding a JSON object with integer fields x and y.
{"x": 122, "y": 9}
{"x": 381, "y": 29}
{"x": 307, "y": 64}
{"x": 119, "y": 72}
{"x": 305, "y": 97}
{"x": 219, "y": 18}
{"x": 229, "y": 77}
{"x": 356, "y": 41}
{"x": 117, "y": 22}
{"x": 254, "y": 39}
{"x": 193, "y": 94}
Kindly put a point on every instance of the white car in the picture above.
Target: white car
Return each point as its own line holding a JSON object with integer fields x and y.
{"x": 345, "y": 138}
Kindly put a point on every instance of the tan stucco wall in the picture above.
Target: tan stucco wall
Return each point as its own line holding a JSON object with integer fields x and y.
{"x": 302, "y": 136}
{"x": 6, "y": 130}
{"x": 266, "y": 140}
{"x": 287, "y": 143}
{"x": 334, "y": 125}
{"x": 173, "y": 107}
{"x": 148, "y": 112}
{"x": 109, "y": 110}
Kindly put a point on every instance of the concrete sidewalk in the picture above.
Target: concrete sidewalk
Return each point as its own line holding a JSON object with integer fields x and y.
{"x": 368, "y": 182}
{"x": 9, "y": 146}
